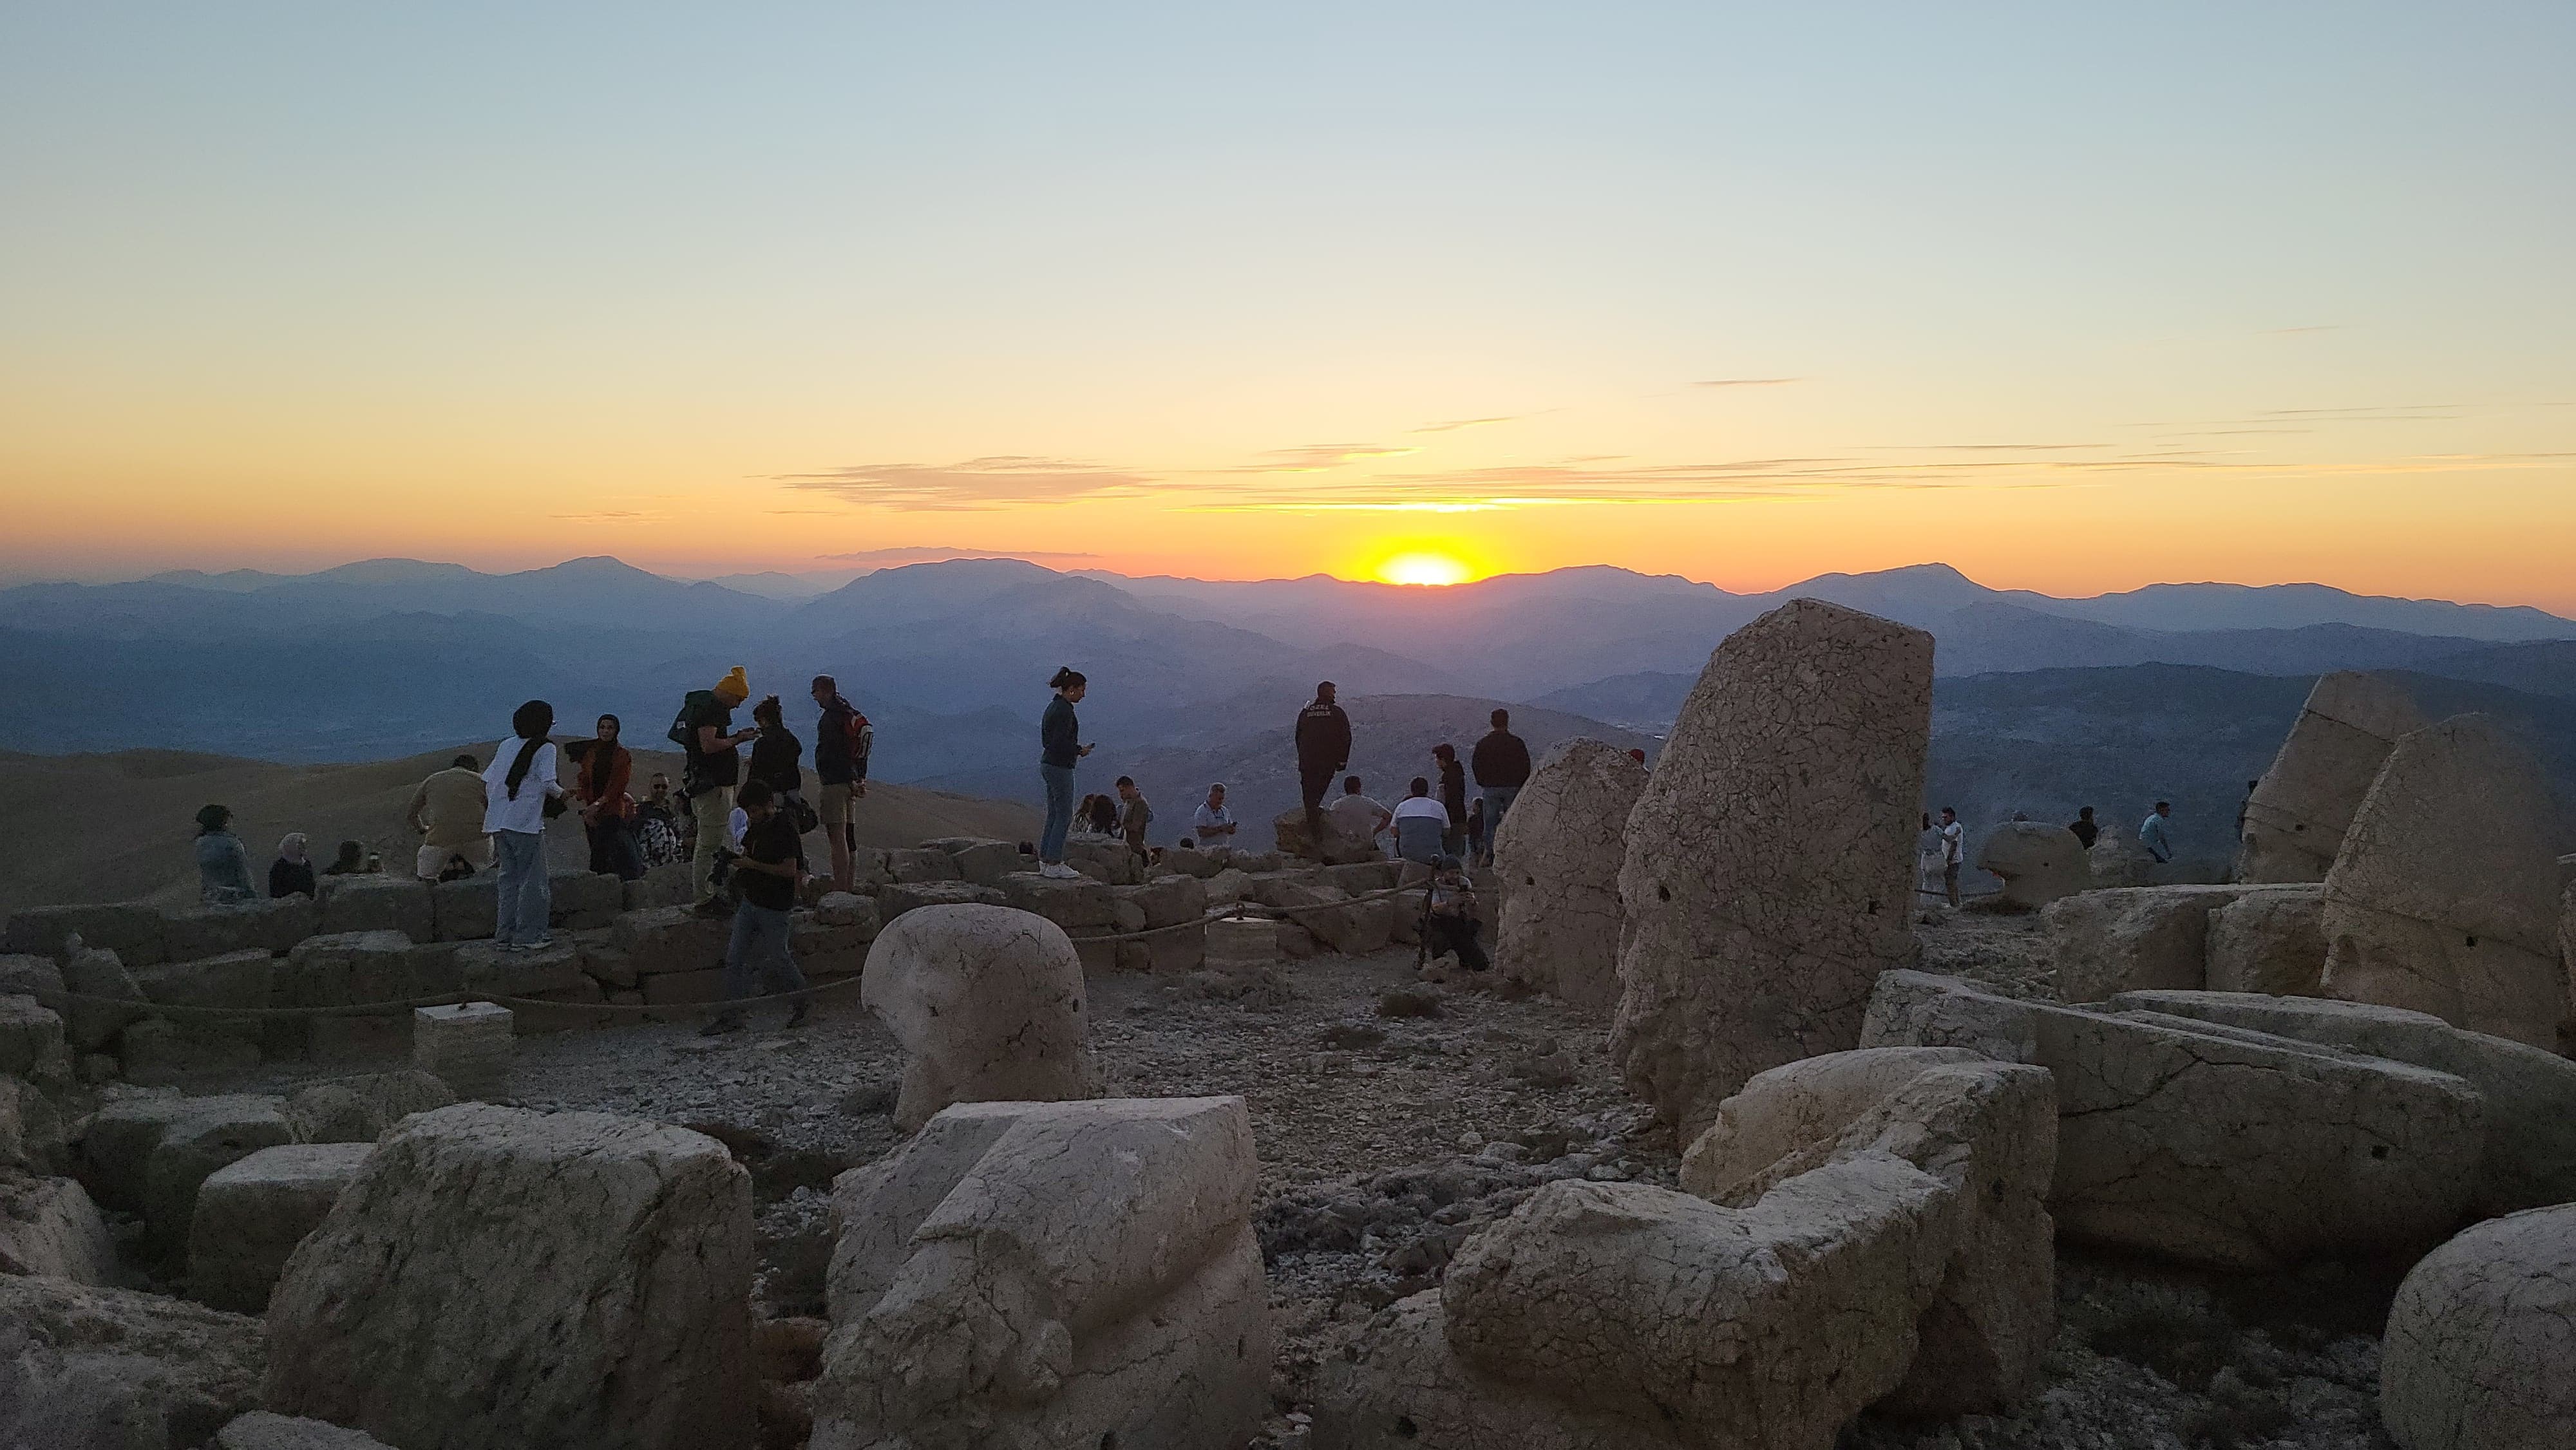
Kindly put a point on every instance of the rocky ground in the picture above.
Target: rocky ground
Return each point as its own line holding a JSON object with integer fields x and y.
{"x": 1394, "y": 1117}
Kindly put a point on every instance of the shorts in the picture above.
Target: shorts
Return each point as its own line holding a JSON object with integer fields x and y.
{"x": 834, "y": 806}
{"x": 432, "y": 861}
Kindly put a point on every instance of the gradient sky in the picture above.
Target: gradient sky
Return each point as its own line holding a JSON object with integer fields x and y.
{"x": 2074, "y": 297}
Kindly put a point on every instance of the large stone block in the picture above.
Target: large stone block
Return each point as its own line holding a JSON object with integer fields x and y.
{"x": 1086, "y": 1273}
{"x": 31, "y": 1039}
{"x": 90, "y": 1026}
{"x": 2214, "y": 1146}
{"x": 2133, "y": 939}
{"x": 131, "y": 929}
{"x": 2269, "y": 941}
{"x": 2445, "y": 898}
{"x": 158, "y": 1052}
{"x": 1769, "y": 875}
{"x": 364, "y": 967}
{"x": 1558, "y": 853}
{"x": 922, "y": 864}
{"x": 377, "y": 902}
{"x": 987, "y": 862}
{"x": 244, "y": 979}
{"x": 2038, "y": 863}
{"x": 583, "y": 900}
{"x": 90, "y": 1368}
{"x": 2300, "y": 809}
{"x": 33, "y": 1135}
{"x": 1331, "y": 847}
{"x": 361, "y": 1108}
{"x": 468, "y": 909}
{"x": 468, "y": 1046}
{"x": 2481, "y": 1337}
{"x": 1072, "y": 904}
{"x": 49, "y": 1227}
{"x": 671, "y": 939}
{"x": 556, "y": 967}
{"x": 664, "y": 885}
{"x": 501, "y": 1278}
{"x": 896, "y": 898}
{"x": 252, "y": 1213}
{"x": 149, "y": 1154}
{"x": 988, "y": 1004}
{"x": 274, "y": 926}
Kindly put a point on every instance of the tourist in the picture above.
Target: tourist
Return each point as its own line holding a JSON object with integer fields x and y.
{"x": 1323, "y": 750}
{"x": 352, "y": 860}
{"x": 1098, "y": 818}
{"x": 1450, "y": 917}
{"x": 2084, "y": 827}
{"x": 1927, "y": 857}
{"x": 706, "y": 737}
{"x": 766, "y": 877}
{"x": 223, "y": 864}
{"x": 518, "y": 784}
{"x": 1134, "y": 814}
{"x": 2151, "y": 833}
{"x": 660, "y": 827}
{"x": 843, "y": 741}
{"x": 1421, "y": 825}
{"x": 1954, "y": 852}
{"x": 1502, "y": 764}
{"x": 1453, "y": 793}
{"x": 1357, "y": 816}
{"x": 603, "y": 769}
{"x": 1479, "y": 847}
{"x": 291, "y": 874}
{"x": 777, "y": 762}
{"x": 1059, "y": 750}
{"x": 447, "y": 814}
{"x": 1213, "y": 824}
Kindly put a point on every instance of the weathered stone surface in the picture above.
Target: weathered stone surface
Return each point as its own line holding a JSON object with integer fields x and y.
{"x": 26, "y": 975}
{"x": 2037, "y": 862}
{"x": 2211, "y": 1145}
{"x": 1559, "y": 853}
{"x": 91, "y": 1026}
{"x": 32, "y": 1131}
{"x": 2529, "y": 1158}
{"x": 131, "y": 929}
{"x": 468, "y": 909}
{"x": 261, "y": 1430}
{"x": 2481, "y": 1338}
{"x": 89, "y": 1368}
{"x": 1108, "y": 861}
{"x": 1769, "y": 869}
{"x": 468, "y": 1046}
{"x": 2117, "y": 860}
{"x": 31, "y": 1039}
{"x": 2296, "y": 820}
{"x": 158, "y": 1052}
{"x": 273, "y": 926}
{"x": 2269, "y": 941}
{"x": 1332, "y": 848}
{"x": 237, "y": 979}
{"x": 988, "y": 1003}
{"x": 844, "y": 908}
{"x": 360, "y": 1108}
{"x": 914, "y": 865}
{"x": 364, "y": 967}
{"x": 2133, "y": 939}
{"x": 557, "y": 967}
{"x": 1073, "y": 1274}
{"x": 986, "y": 862}
{"x": 664, "y": 885}
{"x": 583, "y": 900}
{"x": 377, "y": 902}
{"x": 2445, "y": 898}
{"x": 48, "y": 1226}
{"x": 1071, "y": 904}
{"x": 495, "y": 1277}
{"x": 670, "y": 939}
{"x": 898, "y": 897}
{"x": 252, "y": 1213}
{"x": 148, "y": 1154}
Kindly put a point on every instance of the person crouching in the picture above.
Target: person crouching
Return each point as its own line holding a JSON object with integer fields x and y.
{"x": 772, "y": 866}
{"x": 1450, "y": 922}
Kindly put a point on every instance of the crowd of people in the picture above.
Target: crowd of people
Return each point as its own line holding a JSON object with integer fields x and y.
{"x": 1943, "y": 846}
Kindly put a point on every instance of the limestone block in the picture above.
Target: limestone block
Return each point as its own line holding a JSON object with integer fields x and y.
{"x": 2133, "y": 938}
{"x": 49, "y": 1227}
{"x": 570, "y": 1009}
{"x": 1559, "y": 852}
{"x": 1108, "y": 861}
{"x": 988, "y": 1005}
{"x": 1190, "y": 862}
{"x": 1359, "y": 878}
{"x": 664, "y": 885}
{"x": 2212, "y": 1146}
{"x": 495, "y": 1277}
{"x": 468, "y": 1046}
{"x": 2480, "y": 1339}
{"x": 364, "y": 967}
{"x": 671, "y": 939}
{"x": 843, "y": 908}
{"x": 1334, "y": 848}
{"x": 2529, "y": 1155}
{"x": 1169, "y": 900}
{"x": 583, "y": 900}
{"x": 1769, "y": 873}
{"x": 987, "y": 862}
{"x": 896, "y": 898}
{"x": 832, "y": 951}
{"x": 2445, "y": 898}
{"x": 2118, "y": 860}
{"x": 925, "y": 864}
{"x": 131, "y": 929}
{"x": 483, "y": 966}
{"x": 84, "y": 1367}
{"x": 2037, "y": 862}
{"x": 273, "y": 926}
{"x": 361, "y": 1108}
{"x": 1242, "y": 941}
{"x": 375, "y": 902}
{"x": 236, "y": 979}
{"x": 22, "y": 974}
{"x": 1229, "y": 886}
{"x": 261, "y": 1430}
{"x": 148, "y": 1155}
{"x": 159, "y": 1052}
{"x": 1071, "y": 904}
{"x": 251, "y": 1214}
{"x": 32, "y": 1131}
{"x": 1404, "y": 1388}
{"x": 1050, "y": 1274}
{"x": 2269, "y": 941}
{"x": 467, "y": 909}
{"x": 91, "y": 1026}
{"x": 2296, "y": 819}
{"x": 31, "y": 1039}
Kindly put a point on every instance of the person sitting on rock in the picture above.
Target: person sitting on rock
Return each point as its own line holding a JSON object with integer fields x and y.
{"x": 1421, "y": 824}
{"x": 1214, "y": 825}
{"x": 291, "y": 874}
{"x": 1449, "y": 916}
{"x": 352, "y": 861}
{"x": 447, "y": 814}
{"x": 2085, "y": 828}
{"x": 1357, "y": 816}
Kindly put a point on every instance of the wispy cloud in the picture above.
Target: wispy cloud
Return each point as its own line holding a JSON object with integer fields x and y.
{"x": 1746, "y": 382}
{"x": 936, "y": 553}
{"x": 1454, "y": 424}
{"x": 978, "y": 483}
{"x": 1318, "y": 457}
{"x": 2288, "y": 331}
{"x": 608, "y": 516}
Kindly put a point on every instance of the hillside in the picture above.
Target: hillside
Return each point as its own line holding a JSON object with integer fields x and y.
{"x": 118, "y": 826}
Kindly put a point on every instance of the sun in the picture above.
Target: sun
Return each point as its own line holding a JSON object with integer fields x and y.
{"x": 1422, "y": 566}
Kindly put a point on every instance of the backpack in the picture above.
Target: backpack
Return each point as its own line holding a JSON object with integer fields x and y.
{"x": 863, "y": 738}
{"x": 684, "y": 730}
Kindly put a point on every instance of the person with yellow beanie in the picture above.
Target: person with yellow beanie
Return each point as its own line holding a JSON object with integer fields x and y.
{"x": 706, "y": 736}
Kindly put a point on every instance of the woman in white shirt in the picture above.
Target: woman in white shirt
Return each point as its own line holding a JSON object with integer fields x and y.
{"x": 516, "y": 787}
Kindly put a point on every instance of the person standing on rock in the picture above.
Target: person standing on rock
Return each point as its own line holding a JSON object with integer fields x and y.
{"x": 1502, "y": 765}
{"x": 1323, "y": 751}
{"x": 1954, "y": 853}
{"x": 1060, "y": 749}
{"x": 2085, "y": 828}
{"x": 843, "y": 741}
{"x": 601, "y": 775}
{"x": 1453, "y": 795}
{"x": 1213, "y": 825}
{"x": 447, "y": 813}
{"x": 777, "y": 759}
{"x": 2151, "y": 833}
{"x": 711, "y": 769}
{"x": 223, "y": 862}
{"x": 517, "y": 785}
{"x": 759, "y": 956}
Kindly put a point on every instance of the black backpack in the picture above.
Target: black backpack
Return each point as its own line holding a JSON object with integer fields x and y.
{"x": 684, "y": 734}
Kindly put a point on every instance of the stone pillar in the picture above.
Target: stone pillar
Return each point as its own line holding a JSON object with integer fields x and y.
{"x": 466, "y": 1046}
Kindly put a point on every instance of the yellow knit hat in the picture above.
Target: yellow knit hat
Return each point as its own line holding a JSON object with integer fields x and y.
{"x": 733, "y": 689}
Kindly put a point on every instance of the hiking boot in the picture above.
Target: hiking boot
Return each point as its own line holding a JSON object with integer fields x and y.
{"x": 721, "y": 1027}
{"x": 796, "y": 1015}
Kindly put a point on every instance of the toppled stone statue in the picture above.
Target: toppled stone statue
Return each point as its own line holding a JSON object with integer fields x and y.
{"x": 2481, "y": 1338}
{"x": 2037, "y": 862}
{"x": 1050, "y": 1274}
{"x": 988, "y": 1003}
{"x": 1770, "y": 861}
{"x": 2296, "y": 818}
{"x": 1558, "y": 855}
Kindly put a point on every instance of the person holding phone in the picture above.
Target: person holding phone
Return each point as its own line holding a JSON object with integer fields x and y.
{"x": 1059, "y": 750}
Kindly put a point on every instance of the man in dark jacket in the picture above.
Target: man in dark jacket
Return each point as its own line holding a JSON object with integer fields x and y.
{"x": 1323, "y": 750}
{"x": 1502, "y": 767}
{"x": 841, "y": 744}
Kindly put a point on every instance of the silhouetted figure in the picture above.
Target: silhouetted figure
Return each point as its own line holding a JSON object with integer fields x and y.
{"x": 1323, "y": 751}
{"x": 1502, "y": 764}
{"x": 2084, "y": 827}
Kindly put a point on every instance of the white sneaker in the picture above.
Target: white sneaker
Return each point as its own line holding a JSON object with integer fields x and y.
{"x": 1058, "y": 871}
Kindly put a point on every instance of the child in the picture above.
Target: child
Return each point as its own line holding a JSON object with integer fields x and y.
{"x": 1449, "y": 923}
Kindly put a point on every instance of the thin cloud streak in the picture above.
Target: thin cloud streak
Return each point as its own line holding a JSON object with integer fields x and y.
{"x": 1746, "y": 382}
{"x": 1000, "y": 481}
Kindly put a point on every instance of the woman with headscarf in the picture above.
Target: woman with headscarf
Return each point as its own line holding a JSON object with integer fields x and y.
{"x": 604, "y": 772}
{"x": 291, "y": 874}
{"x": 223, "y": 863}
{"x": 516, "y": 786}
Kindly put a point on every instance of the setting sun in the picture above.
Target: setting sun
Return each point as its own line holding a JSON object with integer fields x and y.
{"x": 1422, "y": 567}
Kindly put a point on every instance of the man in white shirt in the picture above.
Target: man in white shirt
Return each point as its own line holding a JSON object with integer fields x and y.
{"x": 1954, "y": 851}
{"x": 1357, "y": 816}
{"x": 1213, "y": 825}
{"x": 1420, "y": 821}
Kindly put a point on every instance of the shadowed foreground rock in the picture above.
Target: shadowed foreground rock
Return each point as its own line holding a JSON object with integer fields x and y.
{"x": 109, "y": 1369}
{"x": 2296, "y": 819}
{"x": 1558, "y": 855}
{"x": 2482, "y": 1339}
{"x": 497, "y": 1278}
{"x": 1770, "y": 862}
{"x": 988, "y": 1003}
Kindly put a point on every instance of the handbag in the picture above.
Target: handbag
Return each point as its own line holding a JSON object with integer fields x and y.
{"x": 805, "y": 817}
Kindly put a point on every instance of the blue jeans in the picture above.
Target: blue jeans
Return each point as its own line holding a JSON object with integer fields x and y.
{"x": 1498, "y": 799}
{"x": 521, "y": 911}
{"x": 757, "y": 960}
{"x": 1059, "y": 818}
